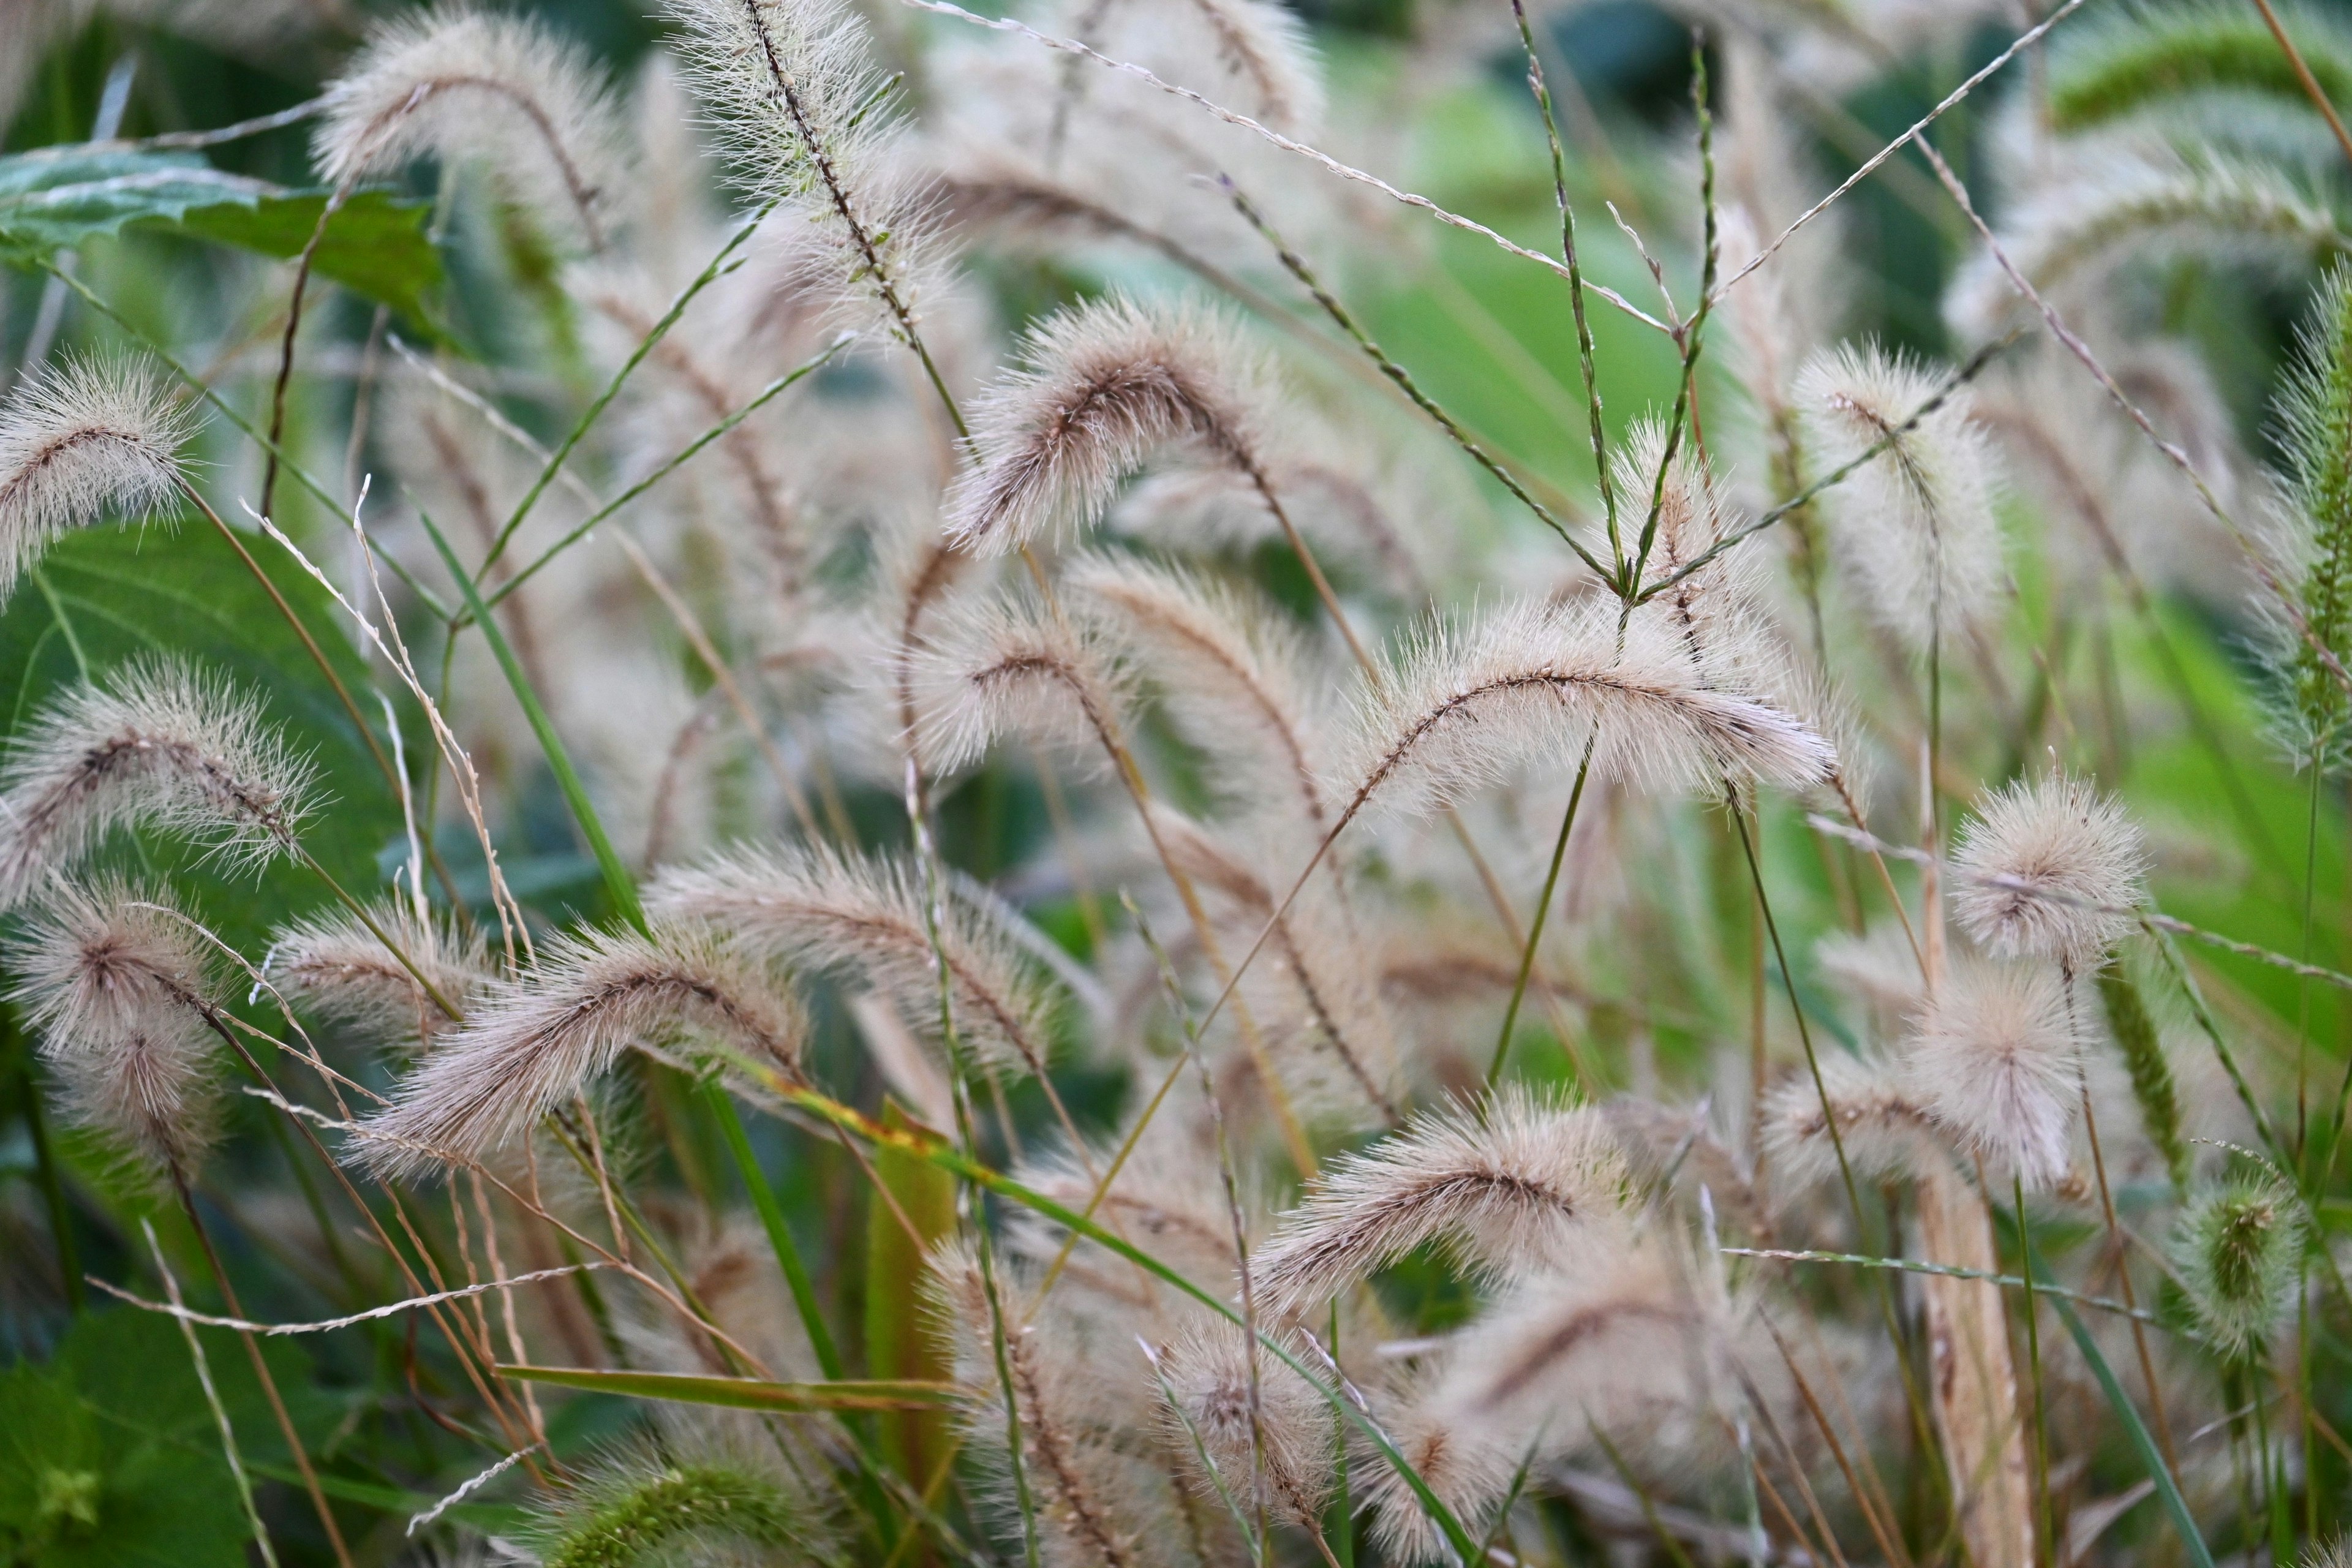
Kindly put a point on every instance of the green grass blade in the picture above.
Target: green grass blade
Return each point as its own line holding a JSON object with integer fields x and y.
{"x": 749, "y": 1393}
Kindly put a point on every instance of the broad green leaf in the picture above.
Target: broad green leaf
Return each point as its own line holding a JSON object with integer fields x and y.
{"x": 375, "y": 244}
{"x": 899, "y": 1342}
{"x": 749, "y": 1393}
{"x": 110, "y": 1457}
{"x": 107, "y": 595}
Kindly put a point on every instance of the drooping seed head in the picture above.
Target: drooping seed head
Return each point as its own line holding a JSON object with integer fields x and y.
{"x": 336, "y": 964}
{"x": 865, "y": 916}
{"x": 1000, "y": 668}
{"x": 155, "y": 744}
{"x": 2049, "y": 869}
{"x": 1208, "y": 1375}
{"x": 1531, "y": 683}
{"x": 454, "y": 82}
{"x": 80, "y": 440}
{"x": 1101, "y": 389}
{"x": 117, "y": 985}
{"x": 533, "y": 1042}
{"x": 1505, "y": 1191}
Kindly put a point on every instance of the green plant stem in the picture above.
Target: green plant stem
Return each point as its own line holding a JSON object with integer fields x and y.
{"x": 618, "y": 883}
{"x": 2167, "y": 1490}
{"x": 1567, "y": 254}
{"x": 930, "y": 1147}
{"x": 1543, "y": 910}
{"x": 580, "y": 428}
{"x": 758, "y": 401}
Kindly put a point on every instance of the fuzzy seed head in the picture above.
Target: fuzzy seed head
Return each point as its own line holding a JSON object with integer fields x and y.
{"x": 1883, "y": 1123}
{"x": 1503, "y": 1191}
{"x": 1101, "y": 389}
{"x": 865, "y": 917}
{"x": 155, "y": 743}
{"x": 1529, "y": 684}
{"x": 2237, "y": 1247}
{"x": 1230, "y": 676}
{"x": 1997, "y": 1063}
{"x": 79, "y": 440}
{"x": 1000, "y": 667}
{"x": 2046, "y": 869}
{"x": 629, "y": 1514}
{"x": 1208, "y": 1375}
{"x": 454, "y": 82}
{"x": 338, "y": 966}
{"x": 1914, "y": 525}
{"x": 116, "y": 986}
{"x": 535, "y": 1042}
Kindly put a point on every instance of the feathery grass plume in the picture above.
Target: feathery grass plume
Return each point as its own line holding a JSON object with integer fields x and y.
{"x": 1263, "y": 50}
{"x": 1914, "y": 527}
{"x": 340, "y": 968}
{"x": 118, "y": 987}
{"x": 534, "y": 1042}
{"x": 1503, "y": 1191}
{"x": 2120, "y": 64}
{"x": 2142, "y": 1046}
{"x": 1231, "y": 677}
{"x": 1621, "y": 1338}
{"x": 2336, "y": 1554}
{"x": 2117, "y": 207}
{"x": 1313, "y": 972}
{"x": 1010, "y": 665}
{"x": 2311, "y": 706}
{"x": 1995, "y": 1061}
{"x": 1715, "y": 605}
{"x": 1093, "y": 1492}
{"x": 1208, "y": 1375}
{"x": 2044, "y": 869}
{"x": 1529, "y": 683}
{"x": 1101, "y": 388}
{"x": 1468, "y": 1467}
{"x": 78, "y": 439}
{"x": 864, "y": 916}
{"x": 154, "y": 743}
{"x": 454, "y": 82}
{"x": 1883, "y": 1123}
{"x": 638, "y": 1513}
{"x": 799, "y": 112}
{"x": 2236, "y": 1249}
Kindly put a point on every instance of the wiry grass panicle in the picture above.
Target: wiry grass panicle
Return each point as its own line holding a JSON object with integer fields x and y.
{"x": 1528, "y": 684}
{"x": 535, "y": 1042}
{"x": 626, "y": 1518}
{"x": 1505, "y": 1192}
{"x": 1996, "y": 1061}
{"x": 2237, "y": 1247}
{"x": 153, "y": 745}
{"x": 864, "y": 916}
{"x": 117, "y": 986}
{"x": 80, "y": 439}
{"x": 1101, "y": 388}
{"x": 2049, "y": 869}
{"x": 461, "y": 83}
{"x": 2315, "y": 423}
{"x": 1915, "y": 527}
